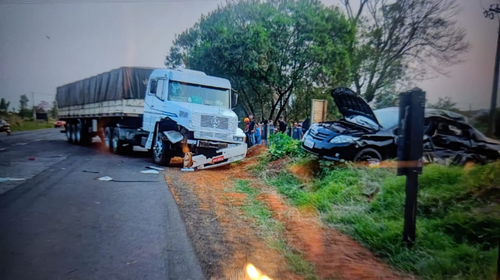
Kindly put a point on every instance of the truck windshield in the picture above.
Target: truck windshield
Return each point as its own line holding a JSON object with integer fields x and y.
{"x": 198, "y": 94}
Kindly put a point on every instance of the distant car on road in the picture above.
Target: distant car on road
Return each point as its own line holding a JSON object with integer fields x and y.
{"x": 58, "y": 124}
{"x": 4, "y": 126}
{"x": 365, "y": 135}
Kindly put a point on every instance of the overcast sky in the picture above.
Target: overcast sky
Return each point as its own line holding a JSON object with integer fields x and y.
{"x": 43, "y": 46}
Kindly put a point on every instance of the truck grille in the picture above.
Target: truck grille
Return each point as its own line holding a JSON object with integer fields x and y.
{"x": 211, "y": 135}
{"x": 214, "y": 122}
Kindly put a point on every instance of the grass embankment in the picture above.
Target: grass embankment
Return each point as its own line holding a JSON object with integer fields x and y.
{"x": 30, "y": 125}
{"x": 271, "y": 230}
{"x": 19, "y": 124}
{"x": 458, "y": 220}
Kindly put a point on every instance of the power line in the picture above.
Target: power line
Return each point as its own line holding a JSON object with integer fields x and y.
{"x": 43, "y": 2}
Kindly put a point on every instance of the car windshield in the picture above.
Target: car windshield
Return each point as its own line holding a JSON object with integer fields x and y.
{"x": 387, "y": 117}
{"x": 184, "y": 92}
{"x": 362, "y": 120}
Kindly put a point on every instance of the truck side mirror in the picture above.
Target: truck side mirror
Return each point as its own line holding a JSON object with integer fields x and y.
{"x": 234, "y": 99}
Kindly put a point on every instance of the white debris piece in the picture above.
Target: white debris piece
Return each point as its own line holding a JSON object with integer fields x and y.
{"x": 105, "y": 178}
{"x": 187, "y": 169}
{"x": 150, "y": 171}
{"x": 11, "y": 179}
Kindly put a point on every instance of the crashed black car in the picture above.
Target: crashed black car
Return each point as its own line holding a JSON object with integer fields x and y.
{"x": 364, "y": 135}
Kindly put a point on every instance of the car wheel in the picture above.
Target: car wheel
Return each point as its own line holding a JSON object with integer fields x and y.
{"x": 367, "y": 155}
{"x": 116, "y": 143}
{"x": 161, "y": 151}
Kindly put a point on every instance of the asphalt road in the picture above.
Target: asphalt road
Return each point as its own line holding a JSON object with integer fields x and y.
{"x": 62, "y": 223}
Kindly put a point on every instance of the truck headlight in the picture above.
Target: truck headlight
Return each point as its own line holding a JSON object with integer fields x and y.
{"x": 238, "y": 139}
{"x": 343, "y": 139}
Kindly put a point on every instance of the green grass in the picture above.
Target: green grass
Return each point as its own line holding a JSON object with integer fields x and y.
{"x": 30, "y": 125}
{"x": 458, "y": 220}
{"x": 271, "y": 230}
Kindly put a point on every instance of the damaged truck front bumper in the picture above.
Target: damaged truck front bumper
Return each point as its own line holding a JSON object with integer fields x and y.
{"x": 232, "y": 153}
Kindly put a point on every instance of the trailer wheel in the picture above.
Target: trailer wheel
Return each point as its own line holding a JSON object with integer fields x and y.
{"x": 116, "y": 143}
{"x": 73, "y": 133}
{"x": 68, "y": 132}
{"x": 85, "y": 138}
{"x": 78, "y": 133}
{"x": 161, "y": 152}
{"x": 108, "y": 134}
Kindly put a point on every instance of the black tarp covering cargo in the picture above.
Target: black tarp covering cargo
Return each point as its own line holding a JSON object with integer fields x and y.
{"x": 117, "y": 84}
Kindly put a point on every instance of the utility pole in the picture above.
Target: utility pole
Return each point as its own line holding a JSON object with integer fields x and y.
{"x": 34, "y": 111}
{"x": 494, "y": 9}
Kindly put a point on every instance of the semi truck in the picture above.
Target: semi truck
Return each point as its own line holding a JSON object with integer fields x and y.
{"x": 170, "y": 112}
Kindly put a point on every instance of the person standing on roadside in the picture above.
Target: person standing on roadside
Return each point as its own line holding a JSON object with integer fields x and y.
{"x": 251, "y": 131}
{"x": 247, "y": 138}
{"x": 282, "y": 125}
{"x": 258, "y": 134}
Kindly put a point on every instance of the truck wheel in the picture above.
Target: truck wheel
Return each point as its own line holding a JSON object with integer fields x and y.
{"x": 73, "y": 133}
{"x": 116, "y": 143}
{"x": 85, "y": 138}
{"x": 161, "y": 151}
{"x": 108, "y": 133}
{"x": 367, "y": 155}
{"x": 68, "y": 132}
{"x": 78, "y": 133}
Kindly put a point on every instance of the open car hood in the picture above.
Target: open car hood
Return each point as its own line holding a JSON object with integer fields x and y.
{"x": 351, "y": 104}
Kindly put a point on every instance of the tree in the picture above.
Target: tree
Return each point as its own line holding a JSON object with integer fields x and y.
{"x": 4, "y": 105}
{"x": 445, "y": 104}
{"x": 24, "y": 112}
{"x": 402, "y": 40}
{"x": 54, "y": 111}
{"x": 272, "y": 52}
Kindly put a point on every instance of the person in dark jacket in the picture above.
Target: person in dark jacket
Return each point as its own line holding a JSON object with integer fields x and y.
{"x": 282, "y": 125}
{"x": 251, "y": 131}
{"x": 306, "y": 124}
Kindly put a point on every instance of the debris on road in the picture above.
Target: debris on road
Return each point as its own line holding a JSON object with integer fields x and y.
{"x": 150, "y": 172}
{"x": 31, "y": 158}
{"x": 89, "y": 171}
{"x": 155, "y": 168}
{"x": 187, "y": 169}
{"x": 105, "y": 178}
{"x": 11, "y": 179}
{"x": 19, "y": 144}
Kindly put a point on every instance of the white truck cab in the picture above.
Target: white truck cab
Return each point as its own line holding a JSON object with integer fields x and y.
{"x": 189, "y": 113}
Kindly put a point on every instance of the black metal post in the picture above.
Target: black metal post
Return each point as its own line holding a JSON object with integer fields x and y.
{"x": 410, "y": 224}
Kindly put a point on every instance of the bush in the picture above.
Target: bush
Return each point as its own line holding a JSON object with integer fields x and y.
{"x": 283, "y": 145}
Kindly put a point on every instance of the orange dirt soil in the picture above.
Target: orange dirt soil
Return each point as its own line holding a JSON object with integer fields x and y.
{"x": 334, "y": 255}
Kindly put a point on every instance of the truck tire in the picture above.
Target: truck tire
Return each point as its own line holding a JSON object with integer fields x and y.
{"x": 367, "y": 155}
{"x": 73, "y": 133}
{"x": 68, "y": 132}
{"x": 116, "y": 143}
{"x": 108, "y": 134}
{"x": 85, "y": 138}
{"x": 78, "y": 133}
{"x": 161, "y": 150}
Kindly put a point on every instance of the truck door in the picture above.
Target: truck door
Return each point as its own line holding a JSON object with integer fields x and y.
{"x": 154, "y": 107}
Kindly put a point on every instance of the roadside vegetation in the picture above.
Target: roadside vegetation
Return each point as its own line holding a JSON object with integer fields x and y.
{"x": 458, "y": 222}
